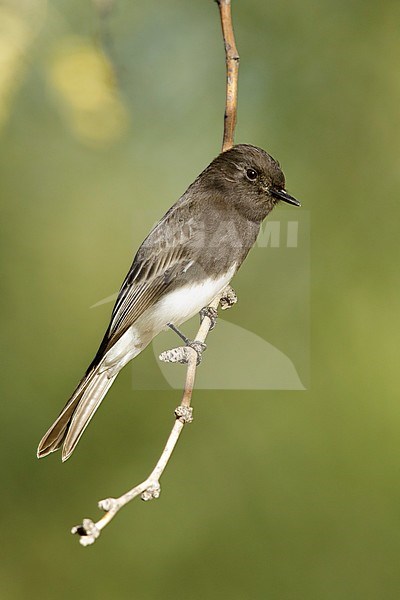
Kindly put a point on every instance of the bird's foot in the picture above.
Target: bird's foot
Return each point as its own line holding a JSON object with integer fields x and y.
{"x": 211, "y": 313}
{"x": 181, "y": 354}
{"x": 198, "y": 347}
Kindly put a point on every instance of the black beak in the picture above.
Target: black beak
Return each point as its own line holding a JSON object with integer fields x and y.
{"x": 283, "y": 195}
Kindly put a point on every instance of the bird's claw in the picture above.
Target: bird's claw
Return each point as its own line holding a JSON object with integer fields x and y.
{"x": 198, "y": 347}
{"x": 211, "y": 313}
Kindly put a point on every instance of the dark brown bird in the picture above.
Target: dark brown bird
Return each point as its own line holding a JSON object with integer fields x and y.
{"x": 186, "y": 260}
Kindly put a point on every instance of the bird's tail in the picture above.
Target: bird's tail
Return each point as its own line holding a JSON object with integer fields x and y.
{"x": 66, "y": 431}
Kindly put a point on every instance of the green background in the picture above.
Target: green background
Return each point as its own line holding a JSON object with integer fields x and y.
{"x": 271, "y": 494}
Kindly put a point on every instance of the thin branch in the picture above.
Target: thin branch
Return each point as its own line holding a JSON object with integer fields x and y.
{"x": 232, "y": 73}
{"x": 150, "y": 487}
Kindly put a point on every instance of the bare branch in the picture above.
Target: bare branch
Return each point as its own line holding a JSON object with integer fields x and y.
{"x": 232, "y": 73}
{"x": 150, "y": 487}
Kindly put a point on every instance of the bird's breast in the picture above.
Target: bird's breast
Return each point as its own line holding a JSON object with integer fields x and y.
{"x": 181, "y": 303}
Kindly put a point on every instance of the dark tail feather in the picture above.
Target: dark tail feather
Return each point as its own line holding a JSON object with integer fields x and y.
{"x": 77, "y": 413}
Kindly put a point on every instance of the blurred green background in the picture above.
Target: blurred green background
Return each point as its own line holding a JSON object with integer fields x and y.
{"x": 107, "y": 109}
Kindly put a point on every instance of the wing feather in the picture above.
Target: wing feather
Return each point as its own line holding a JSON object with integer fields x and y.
{"x": 164, "y": 255}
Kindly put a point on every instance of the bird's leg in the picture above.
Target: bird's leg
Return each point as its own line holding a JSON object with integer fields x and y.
{"x": 179, "y": 332}
{"x": 211, "y": 313}
{"x": 199, "y": 347}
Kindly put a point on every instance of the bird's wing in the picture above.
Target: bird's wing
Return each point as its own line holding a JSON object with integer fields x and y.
{"x": 164, "y": 255}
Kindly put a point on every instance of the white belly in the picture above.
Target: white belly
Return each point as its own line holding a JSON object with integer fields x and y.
{"x": 174, "y": 307}
{"x": 180, "y": 305}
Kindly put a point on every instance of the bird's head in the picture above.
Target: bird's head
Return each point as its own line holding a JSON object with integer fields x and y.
{"x": 251, "y": 179}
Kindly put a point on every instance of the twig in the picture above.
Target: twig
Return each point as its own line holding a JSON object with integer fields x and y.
{"x": 150, "y": 487}
{"x": 232, "y": 73}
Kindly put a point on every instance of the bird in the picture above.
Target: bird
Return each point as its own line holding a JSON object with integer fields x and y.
{"x": 187, "y": 259}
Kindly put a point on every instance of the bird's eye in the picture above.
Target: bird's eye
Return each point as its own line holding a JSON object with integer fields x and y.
{"x": 251, "y": 174}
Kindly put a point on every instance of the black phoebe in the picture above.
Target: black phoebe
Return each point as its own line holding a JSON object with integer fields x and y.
{"x": 186, "y": 260}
